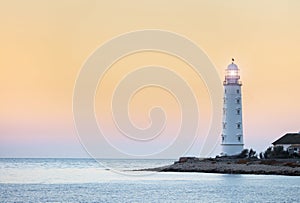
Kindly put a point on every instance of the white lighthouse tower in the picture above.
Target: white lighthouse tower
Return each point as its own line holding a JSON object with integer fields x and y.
{"x": 232, "y": 136}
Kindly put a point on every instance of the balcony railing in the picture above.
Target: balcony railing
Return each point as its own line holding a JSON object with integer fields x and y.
{"x": 232, "y": 82}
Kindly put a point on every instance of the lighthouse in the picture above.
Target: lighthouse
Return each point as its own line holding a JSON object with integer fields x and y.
{"x": 232, "y": 134}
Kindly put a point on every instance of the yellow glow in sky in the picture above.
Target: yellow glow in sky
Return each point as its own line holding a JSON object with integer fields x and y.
{"x": 43, "y": 45}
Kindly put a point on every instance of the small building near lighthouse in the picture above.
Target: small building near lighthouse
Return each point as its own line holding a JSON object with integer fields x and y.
{"x": 232, "y": 133}
{"x": 289, "y": 142}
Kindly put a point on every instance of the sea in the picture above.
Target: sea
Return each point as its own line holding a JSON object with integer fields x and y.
{"x": 115, "y": 180}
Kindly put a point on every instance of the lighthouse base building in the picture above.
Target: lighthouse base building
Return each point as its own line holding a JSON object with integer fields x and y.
{"x": 232, "y": 134}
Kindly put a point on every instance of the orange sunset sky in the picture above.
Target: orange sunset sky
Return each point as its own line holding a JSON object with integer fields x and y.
{"x": 43, "y": 45}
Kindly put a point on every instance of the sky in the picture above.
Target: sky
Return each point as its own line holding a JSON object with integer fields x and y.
{"x": 44, "y": 45}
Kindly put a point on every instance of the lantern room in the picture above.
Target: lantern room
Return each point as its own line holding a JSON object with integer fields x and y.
{"x": 232, "y": 75}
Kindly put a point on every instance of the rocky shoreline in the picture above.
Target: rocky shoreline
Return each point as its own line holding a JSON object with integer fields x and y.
{"x": 290, "y": 167}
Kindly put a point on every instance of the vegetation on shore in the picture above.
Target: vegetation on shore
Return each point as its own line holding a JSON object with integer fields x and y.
{"x": 274, "y": 161}
{"x": 277, "y": 152}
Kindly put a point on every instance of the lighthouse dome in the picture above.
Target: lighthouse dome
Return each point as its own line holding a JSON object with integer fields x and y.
{"x": 232, "y": 66}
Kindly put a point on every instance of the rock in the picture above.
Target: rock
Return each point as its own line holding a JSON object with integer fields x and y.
{"x": 232, "y": 166}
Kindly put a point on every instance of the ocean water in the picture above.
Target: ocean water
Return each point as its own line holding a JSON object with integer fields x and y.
{"x": 86, "y": 180}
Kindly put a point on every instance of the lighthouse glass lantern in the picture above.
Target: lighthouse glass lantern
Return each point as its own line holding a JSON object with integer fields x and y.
{"x": 232, "y": 134}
